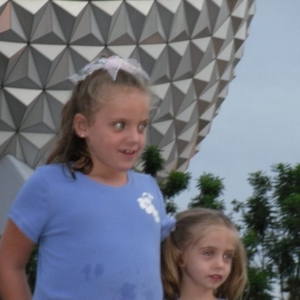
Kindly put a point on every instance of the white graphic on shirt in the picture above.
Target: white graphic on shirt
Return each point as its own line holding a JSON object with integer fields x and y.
{"x": 146, "y": 204}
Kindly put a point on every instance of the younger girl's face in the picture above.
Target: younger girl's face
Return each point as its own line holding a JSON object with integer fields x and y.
{"x": 117, "y": 135}
{"x": 208, "y": 263}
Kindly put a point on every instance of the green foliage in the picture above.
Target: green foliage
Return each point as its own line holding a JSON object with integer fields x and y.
{"x": 210, "y": 187}
{"x": 287, "y": 199}
{"x": 271, "y": 235}
{"x": 173, "y": 184}
{"x": 259, "y": 209}
{"x": 259, "y": 285}
{"x": 251, "y": 242}
{"x": 293, "y": 288}
{"x": 152, "y": 160}
{"x": 171, "y": 207}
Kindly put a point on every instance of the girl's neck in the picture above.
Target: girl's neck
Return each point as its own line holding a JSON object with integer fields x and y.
{"x": 112, "y": 179}
{"x": 190, "y": 293}
{"x": 197, "y": 297}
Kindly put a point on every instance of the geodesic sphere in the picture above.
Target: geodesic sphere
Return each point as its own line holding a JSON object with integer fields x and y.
{"x": 189, "y": 48}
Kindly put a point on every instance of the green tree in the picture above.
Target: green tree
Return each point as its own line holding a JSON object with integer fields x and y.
{"x": 270, "y": 227}
{"x": 210, "y": 187}
{"x": 152, "y": 160}
{"x": 174, "y": 183}
{"x": 260, "y": 287}
{"x": 257, "y": 229}
{"x": 287, "y": 198}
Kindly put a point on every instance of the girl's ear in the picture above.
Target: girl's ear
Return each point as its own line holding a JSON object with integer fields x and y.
{"x": 181, "y": 260}
{"x": 80, "y": 125}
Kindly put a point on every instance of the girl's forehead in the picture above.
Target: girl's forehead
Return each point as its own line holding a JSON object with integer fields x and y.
{"x": 124, "y": 104}
{"x": 111, "y": 93}
{"x": 214, "y": 235}
{"x": 119, "y": 92}
{"x": 112, "y": 89}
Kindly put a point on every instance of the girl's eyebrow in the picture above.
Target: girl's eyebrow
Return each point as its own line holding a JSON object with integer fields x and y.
{"x": 122, "y": 118}
{"x": 214, "y": 248}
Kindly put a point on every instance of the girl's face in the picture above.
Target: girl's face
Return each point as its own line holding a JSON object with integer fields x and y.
{"x": 208, "y": 263}
{"x": 117, "y": 135}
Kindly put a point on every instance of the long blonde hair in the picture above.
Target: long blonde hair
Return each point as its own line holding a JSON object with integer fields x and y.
{"x": 184, "y": 236}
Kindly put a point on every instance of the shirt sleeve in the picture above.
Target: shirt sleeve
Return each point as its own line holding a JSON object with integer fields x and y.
{"x": 167, "y": 222}
{"x": 30, "y": 209}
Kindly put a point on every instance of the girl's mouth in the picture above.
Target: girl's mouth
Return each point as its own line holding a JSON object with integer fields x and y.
{"x": 130, "y": 152}
{"x": 216, "y": 277}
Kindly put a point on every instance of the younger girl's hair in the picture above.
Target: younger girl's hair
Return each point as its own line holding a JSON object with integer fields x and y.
{"x": 191, "y": 226}
{"x": 95, "y": 85}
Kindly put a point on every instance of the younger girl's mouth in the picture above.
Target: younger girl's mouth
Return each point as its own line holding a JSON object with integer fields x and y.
{"x": 216, "y": 277}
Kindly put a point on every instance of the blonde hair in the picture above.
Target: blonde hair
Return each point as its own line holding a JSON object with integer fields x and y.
{"x": 184, "y": 236}
{"x": 87, "y": 97}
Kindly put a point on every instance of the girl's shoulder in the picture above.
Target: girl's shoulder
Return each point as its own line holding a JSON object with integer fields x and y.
{"x": 52, "y": 172}
{"x": 141, "y": 176}
{"x": 50, "y": 168}
{"x": 138, "y": 174}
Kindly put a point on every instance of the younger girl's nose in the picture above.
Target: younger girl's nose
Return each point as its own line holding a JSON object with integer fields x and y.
{"x": 219, "y": 261}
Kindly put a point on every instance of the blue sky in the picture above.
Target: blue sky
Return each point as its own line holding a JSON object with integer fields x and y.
{"x": 259, "y": 121}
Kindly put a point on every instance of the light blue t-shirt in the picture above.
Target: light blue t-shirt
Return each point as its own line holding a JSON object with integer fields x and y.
{"x": 96, "y": 242}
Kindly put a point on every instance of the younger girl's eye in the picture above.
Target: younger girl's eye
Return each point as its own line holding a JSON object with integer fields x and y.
{"x": 228, "y": 256}
{"x": 119, "y": 125}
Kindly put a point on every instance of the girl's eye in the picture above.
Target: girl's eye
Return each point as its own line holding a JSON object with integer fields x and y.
{"x": 142, "y": 127}
{"x": 208, "y": 253}
{"x": 119, "y": 125}
{"x": 228, "y": 256}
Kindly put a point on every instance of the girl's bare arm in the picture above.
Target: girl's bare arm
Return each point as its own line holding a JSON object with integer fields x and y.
{"x": 15, "y": 250}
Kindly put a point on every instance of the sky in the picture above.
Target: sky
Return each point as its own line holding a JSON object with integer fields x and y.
{"x": 259, "y": 121}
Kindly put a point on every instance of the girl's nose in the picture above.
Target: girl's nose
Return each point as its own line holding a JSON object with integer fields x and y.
{"x": 133, "y": 135}
{"x": 219, "y": 261}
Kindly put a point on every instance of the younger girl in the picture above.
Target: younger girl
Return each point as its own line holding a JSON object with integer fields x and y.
{"x": 98, "y": 224}
{"x": 203, "y": 258}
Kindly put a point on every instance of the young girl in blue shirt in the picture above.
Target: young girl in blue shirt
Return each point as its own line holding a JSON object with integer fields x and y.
{"x": 203, "y": 258}
{"x": 98, "y": 224}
